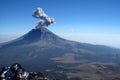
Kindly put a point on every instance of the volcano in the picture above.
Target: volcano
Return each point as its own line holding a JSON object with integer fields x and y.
{"x": 42, "y": 50}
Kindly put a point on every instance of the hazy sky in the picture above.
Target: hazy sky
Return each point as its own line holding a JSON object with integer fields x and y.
{"x": 89, "y": 21}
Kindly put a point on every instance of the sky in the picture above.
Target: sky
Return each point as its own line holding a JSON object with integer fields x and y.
{"x": 86, "y": 21}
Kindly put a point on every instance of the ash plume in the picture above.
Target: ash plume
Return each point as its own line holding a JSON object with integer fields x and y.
{"x": 45, "y": 20}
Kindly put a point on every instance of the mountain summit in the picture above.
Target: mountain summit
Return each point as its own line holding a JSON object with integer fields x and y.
{"x": 35, "y": 35}
{"x": 41, "y": 33}
{"x": 41, "y": 50}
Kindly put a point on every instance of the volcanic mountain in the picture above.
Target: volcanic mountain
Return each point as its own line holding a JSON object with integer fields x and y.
{"x": 42, "y": 50}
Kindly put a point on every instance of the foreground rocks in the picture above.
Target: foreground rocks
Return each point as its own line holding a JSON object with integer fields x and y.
{"x": 16, "y": 72}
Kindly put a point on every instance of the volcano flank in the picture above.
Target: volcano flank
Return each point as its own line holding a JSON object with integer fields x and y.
{"x": 42, "y": 50}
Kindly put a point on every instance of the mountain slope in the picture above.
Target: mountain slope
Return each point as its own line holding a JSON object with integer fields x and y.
{"x": 56, "y": 55}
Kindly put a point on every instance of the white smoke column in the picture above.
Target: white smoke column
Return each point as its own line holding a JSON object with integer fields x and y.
{"x": 45, "y": 20}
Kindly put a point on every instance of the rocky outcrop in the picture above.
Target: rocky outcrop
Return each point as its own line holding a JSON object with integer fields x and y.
{"x": 16, "y": 72}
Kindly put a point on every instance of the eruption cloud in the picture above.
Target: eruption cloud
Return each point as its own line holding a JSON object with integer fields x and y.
{"x": 45, "y": 20}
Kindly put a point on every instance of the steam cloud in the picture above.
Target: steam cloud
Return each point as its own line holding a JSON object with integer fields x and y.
{"x": 45, "y": 20}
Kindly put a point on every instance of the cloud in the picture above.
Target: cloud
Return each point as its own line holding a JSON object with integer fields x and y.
{"x": 99, "y": 39}
{"x": 8, "y": 37}
{"x": 45, "y": 20}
